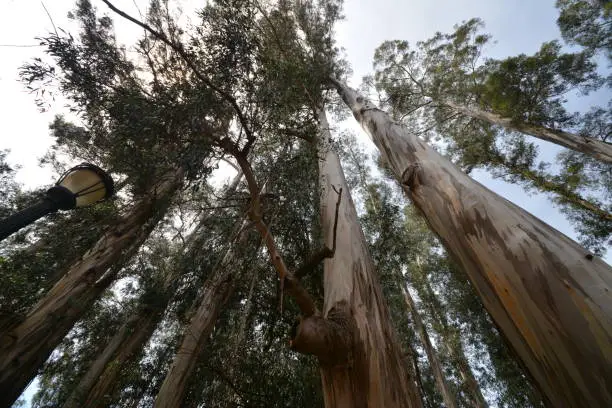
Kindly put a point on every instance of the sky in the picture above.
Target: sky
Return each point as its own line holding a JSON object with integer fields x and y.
{"x": 517, "y": 26}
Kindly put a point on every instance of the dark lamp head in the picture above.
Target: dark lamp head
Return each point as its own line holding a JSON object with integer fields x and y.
{"x": 81, "y": 186}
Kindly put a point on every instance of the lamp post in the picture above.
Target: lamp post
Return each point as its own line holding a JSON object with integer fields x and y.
{"x": 80, "y": 186}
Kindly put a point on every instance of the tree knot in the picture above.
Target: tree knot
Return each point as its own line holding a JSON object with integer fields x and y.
{"x": 329, "y": 338}
{"x": 411, "y": 177}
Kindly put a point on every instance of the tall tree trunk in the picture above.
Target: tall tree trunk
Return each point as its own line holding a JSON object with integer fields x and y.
{"x": 97, "y": 383}
{"x": 419, "y": 379}
{"x": 544, "y": 184}
{"x": 550, "y": 297}
{"x": 448, "y": 396}
{"x": 596, "y": 148}
{"x": 237, "y": 342}
{"x": 24, "y": 349}
{"x": 360, "y": 358}
{"x": 452, "y": 342}
{"x": 217, "y": 289}
{"x": 133, "y": 334}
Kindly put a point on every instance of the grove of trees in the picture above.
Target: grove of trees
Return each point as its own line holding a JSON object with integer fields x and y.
{"x": 318, "y": 275}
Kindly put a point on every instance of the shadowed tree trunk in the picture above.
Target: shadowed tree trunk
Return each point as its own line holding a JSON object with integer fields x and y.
{"x": 596, "y": 148}
{"x": 454, "y": 348}
{"x": 236, "y": 344}
{"x": 545, "y": 184}
{"x": 133, "y": 334}
{"x": 360, "y": 358}
{"x": 99, "y": 380}
{"x": 447, "y": 394}
{"x": 549, "y": 296}
{"x": 24, "y": 349}
{"x": 217, "y": 289}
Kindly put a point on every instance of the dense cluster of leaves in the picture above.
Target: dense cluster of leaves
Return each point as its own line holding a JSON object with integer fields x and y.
{"x": 587, "y": 23}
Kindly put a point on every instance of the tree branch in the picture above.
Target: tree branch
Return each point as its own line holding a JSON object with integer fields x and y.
{"x": 231, "y": 163}
{"x": 336, "y": 217}
{"x": 326, "y": 252}
{"x": 301, "y": 135}
{"x": 329, "y": 338}
{"x": 183, "y": 54}
{"x": 415, "y": 109}
{"x": 294, "y": 287}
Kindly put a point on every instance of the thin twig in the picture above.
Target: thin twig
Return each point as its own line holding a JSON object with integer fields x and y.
{"x": 50, "y": 18}
{"x": 234, "y": 165}
{"x": 336, "y": 217}
{"x": 415, "y": 109}
{"x": 326, "y": 252}
{"x": 21, "y": 45}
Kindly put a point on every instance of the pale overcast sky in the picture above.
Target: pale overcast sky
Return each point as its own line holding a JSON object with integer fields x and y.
{"x": 518, "y": 26}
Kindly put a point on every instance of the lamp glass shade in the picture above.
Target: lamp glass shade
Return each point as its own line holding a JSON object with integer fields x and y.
{"x": 88, "y": 183}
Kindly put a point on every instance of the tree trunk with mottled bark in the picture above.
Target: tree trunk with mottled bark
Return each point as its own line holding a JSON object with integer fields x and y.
{"x": 360, "y": 358}
{"x": 25, "y": 348}
{"x": 448, "y": 396}
{"x": 454, "y": 348}
{"x": 95, "y": 386}
{"x": 217, "y": 289}
{"x": 550, "y": 297}
{"x": 236, "y": 344}
{"x": 129, "y": 340}
{"x": 595, "y": 148}
{"x": 414, "y": 357}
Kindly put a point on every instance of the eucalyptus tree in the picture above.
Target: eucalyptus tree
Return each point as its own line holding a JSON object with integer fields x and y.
{"x": 250, "y": 84}
{"x": 503, "y": 249}
{"x": 522, "y": 93}
{"x": 86, "y": 342}
{"x": 358, "y": 352}
{"x": 482, "y": 111}
{"x": 160, "y": 287}
{"x": 120, "y": 116}
{"x": 246, "y": 361}
{"x": 408, "y": 252}
{"x": 348, "y": 265}
{"x": 400, "y": 240}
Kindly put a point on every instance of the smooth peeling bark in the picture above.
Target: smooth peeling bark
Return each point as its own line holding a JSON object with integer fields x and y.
{"x": 450, "y": 400}
{"x": 217, "y": 290}
{"x": 595, "y": 148}
{"x": 549, "y": 296}
{"x": 24, "y": 349}
{"x": 361, "y": 361}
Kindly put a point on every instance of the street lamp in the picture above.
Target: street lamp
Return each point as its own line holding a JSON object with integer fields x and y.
{"x": 80, "y": 186}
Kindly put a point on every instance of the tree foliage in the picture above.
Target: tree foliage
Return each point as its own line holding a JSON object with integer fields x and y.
{"x": 245, "y": 82}
{"x": 586, "y": 23}
{"x": 423, "y": 85}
